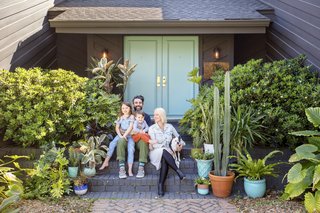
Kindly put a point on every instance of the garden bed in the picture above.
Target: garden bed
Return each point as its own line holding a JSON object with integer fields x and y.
{"x": 66, "y": 204}
{"x": 270, "y": 203}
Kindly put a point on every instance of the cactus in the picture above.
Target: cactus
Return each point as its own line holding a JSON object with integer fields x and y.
{"x": 221, "y": 157}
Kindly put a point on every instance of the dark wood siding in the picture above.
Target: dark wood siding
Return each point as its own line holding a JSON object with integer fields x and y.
{"x": 72, "y": 52}
{"x": 295, "y": 30}
{"x": 249, "y": 46}
{"x": 26, "y": 40}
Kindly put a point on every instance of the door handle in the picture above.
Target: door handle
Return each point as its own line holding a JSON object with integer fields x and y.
{"x": 164, "y": 81}
{"x": 158, "y": 81}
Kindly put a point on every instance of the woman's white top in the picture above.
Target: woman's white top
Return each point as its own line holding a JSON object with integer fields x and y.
{"x": 163, "y": 138}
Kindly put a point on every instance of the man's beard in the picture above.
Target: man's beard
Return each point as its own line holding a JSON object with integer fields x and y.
{"x": 137, "y": 108}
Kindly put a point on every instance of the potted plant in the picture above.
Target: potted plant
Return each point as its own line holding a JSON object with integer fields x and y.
{"x": 221, "y": 179}
{"x": 303, "y": 177}
{"x": 204, "y": 163}
{"x": 254, "y": 172}
{"x": 74, "y": 160}
{"x": 202, "y": 185}
{"x": 80, "y": 185}
{"x": 93, "y": 153}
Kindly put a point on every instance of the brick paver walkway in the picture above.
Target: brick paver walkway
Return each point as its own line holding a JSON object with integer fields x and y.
{"x": 169, "y": 203}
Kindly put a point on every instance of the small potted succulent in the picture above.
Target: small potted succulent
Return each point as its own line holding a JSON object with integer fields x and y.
{"x": 80, "y": 185}
{"x": 202, "y": 185}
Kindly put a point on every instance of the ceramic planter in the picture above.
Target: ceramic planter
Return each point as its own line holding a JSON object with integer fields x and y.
{"x": 80, "y": 190}
{"x": 89, "y": 172}
{"x": 255, "y": 188}
{"x": 73, "y": 171}
{"x": 203, "y": 189}
{"x": 222, "y": 185}
{"x": 204, "y": 167}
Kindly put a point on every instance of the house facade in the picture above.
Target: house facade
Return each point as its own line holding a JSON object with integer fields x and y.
{"x": 165, "y": 38}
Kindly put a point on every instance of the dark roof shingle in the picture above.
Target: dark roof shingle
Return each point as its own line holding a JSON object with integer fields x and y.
{"x": 145, "y": 10}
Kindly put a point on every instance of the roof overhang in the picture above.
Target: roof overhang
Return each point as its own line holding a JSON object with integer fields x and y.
{"x": 161, "y": 27}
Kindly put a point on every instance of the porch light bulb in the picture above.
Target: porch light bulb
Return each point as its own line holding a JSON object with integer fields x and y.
{"x": 216, "y": 53}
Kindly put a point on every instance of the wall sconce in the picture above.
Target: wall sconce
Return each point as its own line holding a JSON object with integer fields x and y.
{"x": 216, "y": 53}
{"x": 105, "y": 53}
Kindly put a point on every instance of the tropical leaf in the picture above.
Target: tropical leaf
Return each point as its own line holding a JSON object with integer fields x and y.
{"x": 313, "y": 115}
{"x": 305, "y": 133}
{"x": 311, "y": 202}
{"x": 316, "y": 176}
{"x": 296, "y": 174}
{"x": 7, "y": 202}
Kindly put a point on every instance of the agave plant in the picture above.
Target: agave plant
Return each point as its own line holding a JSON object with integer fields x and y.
{"x": 305, "y": 174}
{"x": 254, "y": 169}
{"x": 126, "y": 72}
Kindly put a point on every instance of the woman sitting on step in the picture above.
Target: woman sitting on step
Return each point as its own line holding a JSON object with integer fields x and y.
{"x": 161, "y": 156}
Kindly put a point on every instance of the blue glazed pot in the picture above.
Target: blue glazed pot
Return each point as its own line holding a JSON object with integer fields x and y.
{"x": 204, "y": 167}
{"x": 80, "y": 190}
{"x": 255, "y": 188}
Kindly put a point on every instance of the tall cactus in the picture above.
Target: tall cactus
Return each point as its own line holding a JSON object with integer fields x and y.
{"x": 221, "y": 169}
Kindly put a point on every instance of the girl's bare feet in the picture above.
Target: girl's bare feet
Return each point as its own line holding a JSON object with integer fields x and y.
{"x": 130, "y": 173}
{"x": 104, "y": 165}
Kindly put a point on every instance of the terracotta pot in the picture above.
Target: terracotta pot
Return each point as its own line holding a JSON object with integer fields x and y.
{"x": 222, "y": 185}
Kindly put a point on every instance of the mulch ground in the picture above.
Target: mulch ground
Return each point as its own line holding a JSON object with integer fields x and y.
{"x": 70, "y": 204}
{"x": 270, "y": 203}
{"x": 73, "y": 204}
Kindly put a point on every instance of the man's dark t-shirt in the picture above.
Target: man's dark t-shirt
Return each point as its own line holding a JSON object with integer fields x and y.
{"x": 147, "y": 119}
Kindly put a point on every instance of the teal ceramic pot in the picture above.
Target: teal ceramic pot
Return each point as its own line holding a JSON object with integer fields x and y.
{"x": 255, "y": 188}
{"x": 80, "y": 190}
{"x": 203, "y": 189}
{"x": 89, "y": 171}
{"x": 73, "y": 171}
{"x": 204, "y": 167}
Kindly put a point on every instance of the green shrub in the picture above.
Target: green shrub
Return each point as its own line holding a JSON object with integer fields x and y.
{"x": 50, "y": 176}
{"x": 37, "y": 106}
{"x": 281, "y": 90}
{"x": 102, "y": 108}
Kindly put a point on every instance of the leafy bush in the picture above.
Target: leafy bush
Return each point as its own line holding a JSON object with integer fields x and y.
{"x": 192, "y": 121}
{"x": 11, "y": 187}
{"x": 102, "y": 108}
{"x": 50, "y": 176}
{"x": 281, "y": 90}
{"x": 37, "y": 106}
{"x": 304, "y": 176}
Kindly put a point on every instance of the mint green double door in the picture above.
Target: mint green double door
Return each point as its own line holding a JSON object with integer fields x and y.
{"x": 163, "y": 63}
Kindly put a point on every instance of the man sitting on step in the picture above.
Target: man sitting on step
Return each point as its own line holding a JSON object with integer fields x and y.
{"x": 143, "y": 148}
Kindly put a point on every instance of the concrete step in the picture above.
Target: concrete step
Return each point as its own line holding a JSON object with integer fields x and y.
{"x": 112, "y": 183}
{"x": 187, "y": 165}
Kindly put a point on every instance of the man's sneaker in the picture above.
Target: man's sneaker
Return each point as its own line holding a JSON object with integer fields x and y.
{"x": 140, "y": 172}
{"x": 122, "y": 173}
